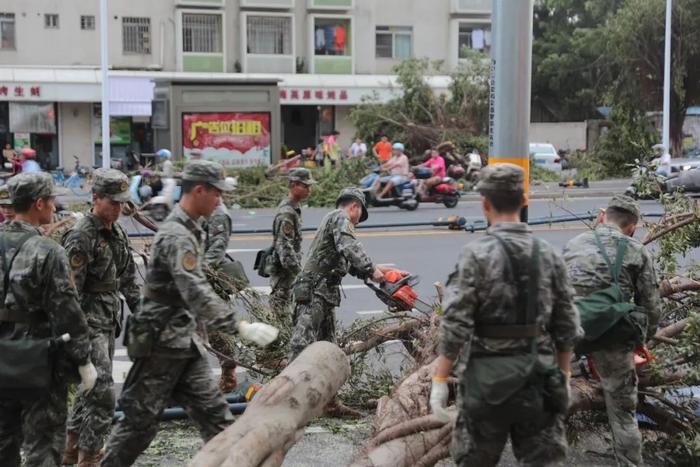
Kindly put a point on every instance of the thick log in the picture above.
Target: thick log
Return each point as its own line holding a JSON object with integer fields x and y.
{"x": 274, "y": 421}
{"x": 409, "y": 400}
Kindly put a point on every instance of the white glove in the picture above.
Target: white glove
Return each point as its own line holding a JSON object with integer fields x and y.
{"x": 88, "y": 376}
{"x": 260, "y": 334}
{"x": 438, "y": 400}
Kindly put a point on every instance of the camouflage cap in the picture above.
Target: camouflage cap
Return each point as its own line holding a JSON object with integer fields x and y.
{"x": 31, "y": 185}
{"x": 301, "y": 175}
{"x": 111, "y": 183}
{"x": 625, "y": 203}
{"x": 5, "y": 199}
{"x": 208, "y": 172}
{"x": 501, "y": 177}
{"x": 355, "y": 194}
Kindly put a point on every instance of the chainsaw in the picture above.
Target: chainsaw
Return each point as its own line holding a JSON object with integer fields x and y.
{"x": 397, "y": 292}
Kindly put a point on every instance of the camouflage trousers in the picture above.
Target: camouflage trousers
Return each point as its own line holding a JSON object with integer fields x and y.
{"x": 36, "y": 425}
{"x": 538, "y": 441}
{"x": 281, "y": 293}
{"x": 150, "y": 385}
{"x": 313, "y": 321}
{"x": 93, "y": 412}
{"x": 619, "y": 381}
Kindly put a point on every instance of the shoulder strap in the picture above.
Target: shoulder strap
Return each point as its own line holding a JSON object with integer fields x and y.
{"x": 621, "y": 248}
{"x": 8, "y": 265}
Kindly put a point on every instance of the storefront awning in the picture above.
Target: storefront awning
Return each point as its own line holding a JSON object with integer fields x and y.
{"x": 129, "y": 96}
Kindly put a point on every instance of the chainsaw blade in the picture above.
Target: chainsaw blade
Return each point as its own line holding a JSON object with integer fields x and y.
{"x": 421, "y": 306}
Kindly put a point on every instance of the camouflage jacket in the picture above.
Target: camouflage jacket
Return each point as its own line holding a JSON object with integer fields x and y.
{"x": 177, "y": 294}
{"x": 218, "y": 232}
{"x": 286, "y": 237}
{"x": 588, "y": 271}
{"x": 40, "y": 286}
{"x": 480, "y": 291}
{"x": 334, "y": 252}
{"x": 103, "y": 266}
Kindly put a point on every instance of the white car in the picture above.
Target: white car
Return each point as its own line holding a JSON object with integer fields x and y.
{"x": 545, "y": 155}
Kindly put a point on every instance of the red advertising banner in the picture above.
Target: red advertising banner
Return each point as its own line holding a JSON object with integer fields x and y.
{"x": 234, "y": 139}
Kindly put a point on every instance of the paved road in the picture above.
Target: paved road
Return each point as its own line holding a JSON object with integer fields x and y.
{"x": 429, "y": 252}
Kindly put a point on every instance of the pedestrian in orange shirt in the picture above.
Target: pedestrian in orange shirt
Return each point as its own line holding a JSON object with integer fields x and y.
{"x": 382, "y": 150}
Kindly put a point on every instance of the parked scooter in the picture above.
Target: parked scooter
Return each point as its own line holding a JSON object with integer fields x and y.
{"x": 474, "y": 167}
{"x": 403, "y": 195}
{"x": 445, "y": 191}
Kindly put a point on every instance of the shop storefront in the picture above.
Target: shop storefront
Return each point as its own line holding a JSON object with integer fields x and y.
{"x": 314, "y": 106}
{"x": 29, "y": 121}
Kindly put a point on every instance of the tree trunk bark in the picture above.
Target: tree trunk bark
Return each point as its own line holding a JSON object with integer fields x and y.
{"x": 274, "y": 421}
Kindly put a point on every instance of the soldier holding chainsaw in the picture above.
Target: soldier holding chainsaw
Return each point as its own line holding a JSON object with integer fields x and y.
{"x": 333, "y": 253}
{"x": 597, "y": 260}
{"x": 509, "y": 318}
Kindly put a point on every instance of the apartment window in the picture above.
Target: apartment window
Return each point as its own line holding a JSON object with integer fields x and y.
{"x": 51, "y": 21}
{"x": 474, "y": 37}
{"x": 394, "y": 42}
{"x": 269, "y": 35}
{"x": 332, "y": 36}
{"x": 201, "y": 33}
{"x": 7, "y": 30}
{"x": 87, "y": 22}
{"x": 136, "y": 35}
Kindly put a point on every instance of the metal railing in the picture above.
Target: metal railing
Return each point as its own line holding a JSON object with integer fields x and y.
{"x": 201, "y": 33}
{"x": 136, "y": 35}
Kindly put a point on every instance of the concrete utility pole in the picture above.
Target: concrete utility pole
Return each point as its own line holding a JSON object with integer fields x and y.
{"x": 667, "y": 79}
{"x": 104, "y": 64}
{"x": 511, "y": 63}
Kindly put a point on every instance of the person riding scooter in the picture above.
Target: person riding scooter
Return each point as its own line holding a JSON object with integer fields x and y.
{"x": 398, "y": 168}
{"x": 166, "y": 165}
{"x": 437, "y": 164}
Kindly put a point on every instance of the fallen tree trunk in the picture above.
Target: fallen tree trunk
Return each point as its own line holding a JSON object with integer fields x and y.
{"x": 274, "y": 421}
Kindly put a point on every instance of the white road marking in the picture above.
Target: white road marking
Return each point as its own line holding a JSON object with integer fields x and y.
{"x": 371, "y": 312}
{"x": 233, "y": 251}
{"x": 120, "y": 352}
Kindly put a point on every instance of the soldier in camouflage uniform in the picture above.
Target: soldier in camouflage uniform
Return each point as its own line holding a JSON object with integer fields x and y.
{"x": 286, "y": 239}
{"x": 170, "y": 362}
{"x": 100, "y": 256}
{"x": 589, "y": 272}
{"x": 8, "y": 212}
{"x": 40, "y": 302}
{"x": 334, "y": 252}
{"x": 483, "y": 300}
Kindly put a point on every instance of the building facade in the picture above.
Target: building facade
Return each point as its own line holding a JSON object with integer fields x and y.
{"x": 325, "y": 55}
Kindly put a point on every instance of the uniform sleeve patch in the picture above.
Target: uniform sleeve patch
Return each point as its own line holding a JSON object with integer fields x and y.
{"x": 77, "y": 260}
{"x": 189, "y": 261}
{"x": 287, "y": 228}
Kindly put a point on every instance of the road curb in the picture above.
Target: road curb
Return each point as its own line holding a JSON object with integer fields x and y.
{"x": 572, "y": 193}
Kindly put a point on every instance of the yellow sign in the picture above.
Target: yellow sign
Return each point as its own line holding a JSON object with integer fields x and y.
{"x": 227, "y": 127}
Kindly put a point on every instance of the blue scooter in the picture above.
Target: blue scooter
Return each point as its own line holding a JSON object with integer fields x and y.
{"x": 403, "y": 195}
